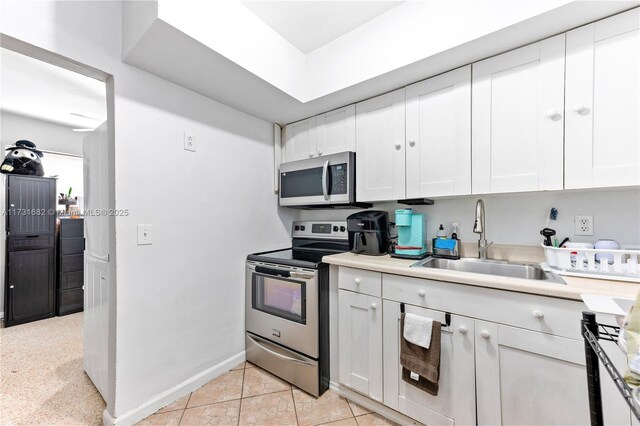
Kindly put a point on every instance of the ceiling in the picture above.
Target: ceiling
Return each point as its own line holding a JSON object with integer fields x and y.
{"x": 40, "y": 90}
{"x": 308, "y": 25}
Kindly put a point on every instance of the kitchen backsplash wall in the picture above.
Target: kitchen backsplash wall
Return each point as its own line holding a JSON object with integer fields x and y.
{"x": 518, "y": 218}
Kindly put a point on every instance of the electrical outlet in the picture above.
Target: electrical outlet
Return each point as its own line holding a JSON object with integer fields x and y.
{"x": 583, "y": 225}
{"x": 189, "y": 141}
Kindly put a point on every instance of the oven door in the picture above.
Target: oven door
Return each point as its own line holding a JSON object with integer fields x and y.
{"x": 316, "y": 181}
{"x": 282, "y": 306}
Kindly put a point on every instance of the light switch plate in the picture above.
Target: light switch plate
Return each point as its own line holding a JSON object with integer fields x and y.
{"x": 189, "y": 141}
{"x": 144, "y": 235}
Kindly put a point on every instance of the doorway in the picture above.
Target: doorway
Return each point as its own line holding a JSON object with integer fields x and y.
{"x": 58, "y": 358}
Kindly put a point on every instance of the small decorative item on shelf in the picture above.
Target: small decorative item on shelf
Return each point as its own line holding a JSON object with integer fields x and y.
{"x": 67, "y": 201}
{"x": 594, "y": 262}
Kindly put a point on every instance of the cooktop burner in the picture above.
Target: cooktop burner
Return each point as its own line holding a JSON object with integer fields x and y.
{"x": 291, "y": 257}
{"x": 311, "y": 242}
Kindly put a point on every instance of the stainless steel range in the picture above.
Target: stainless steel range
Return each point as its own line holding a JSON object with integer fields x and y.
{"x": 287, "y": 305}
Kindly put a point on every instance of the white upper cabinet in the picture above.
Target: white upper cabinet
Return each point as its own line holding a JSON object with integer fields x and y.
{"x": 380, "y": 147}
{"x": 517, "y": 119}
{"x": 439, "y": 135}
{"x": 328, "y": 133}
{"x": 337, "y": 130}
{"x": 603, "y": 103}
{"x": 301, "y": 140}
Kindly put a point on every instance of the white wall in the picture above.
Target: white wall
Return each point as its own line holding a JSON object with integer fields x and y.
{"x": 180, "y": 300}
{"x": 518, "y": 218}
{"x": 46, "y": 135}
{"x": 232, "y": 30}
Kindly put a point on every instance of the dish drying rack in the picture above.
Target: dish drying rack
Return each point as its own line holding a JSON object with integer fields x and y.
{"x": 582, "y": 262}
{"x": 593, "y": 332}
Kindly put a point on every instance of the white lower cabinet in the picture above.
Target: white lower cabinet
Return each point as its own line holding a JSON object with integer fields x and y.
{"x": 533, "y": 378}
{"x": 455, "y": 402}
{"x": 360, "y": 343}
{"x": 494, "y": 369}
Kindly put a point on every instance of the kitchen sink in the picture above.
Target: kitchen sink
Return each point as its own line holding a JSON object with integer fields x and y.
{"x": 491, "y": 267}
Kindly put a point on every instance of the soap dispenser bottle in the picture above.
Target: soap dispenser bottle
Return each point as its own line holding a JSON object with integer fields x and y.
{"x": 441, "y": 232}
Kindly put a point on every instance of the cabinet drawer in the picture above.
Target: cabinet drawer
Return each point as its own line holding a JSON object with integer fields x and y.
{"x": 70, "y": 301}
{"x": 360, "y": 281}
{"x": 71, "y": 280}
{"x": 71, "y": 228}
{"x": 71, "y": 245}
{"x": 72, "y": 262}
{"x": 539, "y": 313}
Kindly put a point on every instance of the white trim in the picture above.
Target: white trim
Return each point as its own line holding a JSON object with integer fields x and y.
{"x": 277, "y": 157}
{"x": 372, "y": 405}
{"x": 164, "y": 398}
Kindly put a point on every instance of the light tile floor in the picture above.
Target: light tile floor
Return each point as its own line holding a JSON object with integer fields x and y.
{"x": 248, "y": 395}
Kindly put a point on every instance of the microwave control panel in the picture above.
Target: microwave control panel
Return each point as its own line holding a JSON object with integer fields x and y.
{"x": 339, "y": 179}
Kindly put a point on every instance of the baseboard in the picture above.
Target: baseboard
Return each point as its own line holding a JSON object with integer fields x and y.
{"x": 162, "y": 399}
{"x": 372, "y": 405}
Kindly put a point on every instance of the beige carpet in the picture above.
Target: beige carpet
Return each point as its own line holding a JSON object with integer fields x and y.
{"x": 42, "y": 381}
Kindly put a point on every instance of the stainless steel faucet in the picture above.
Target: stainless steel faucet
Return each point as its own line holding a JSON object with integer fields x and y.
{"x": 478, "y": 228}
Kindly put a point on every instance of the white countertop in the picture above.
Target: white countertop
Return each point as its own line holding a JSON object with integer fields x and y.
{"x": 572, "y": 290}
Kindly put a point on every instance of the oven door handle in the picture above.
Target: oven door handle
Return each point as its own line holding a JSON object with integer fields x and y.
{"x": 301, "y": 275}
{"x": 273, "y": 272}
{"x": 276, "y": 354}
{"x": 325, "y": 184}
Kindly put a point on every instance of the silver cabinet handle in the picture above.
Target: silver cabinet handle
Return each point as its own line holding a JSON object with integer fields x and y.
{"x": 325, "y": 189}
{"x": 276, "y": 354}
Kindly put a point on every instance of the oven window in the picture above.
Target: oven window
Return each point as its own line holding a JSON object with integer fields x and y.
{"x": 280, "y": 297}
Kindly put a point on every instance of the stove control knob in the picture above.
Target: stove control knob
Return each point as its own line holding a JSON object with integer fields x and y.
{"x": 302, "y": 227}
{"x": 296, "y": 228}
{"x": 342, "y": 229}
{"x": 335, "y": 229}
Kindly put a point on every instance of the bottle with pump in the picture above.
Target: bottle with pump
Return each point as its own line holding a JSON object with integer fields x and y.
{"x": 441, "y": 232}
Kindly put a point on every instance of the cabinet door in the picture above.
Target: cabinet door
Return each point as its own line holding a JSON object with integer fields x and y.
{"x": 455, "y": 402}
{"x": 517, "y": 121}
{"x": 603, "y": 103}
{"x": 31, "y": 284}
{"x": 300, "y": 140}
{"x": 439, "y": 135}
{"x": 527, "y": 377}
{"x": 380, "y": 147}
{"x": 32, "y": 201}
{"x": 337, "y": 130}
{"x": 360, "y": 343}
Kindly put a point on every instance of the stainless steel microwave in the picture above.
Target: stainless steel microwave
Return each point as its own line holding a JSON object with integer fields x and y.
{"x": 327, "y": 181}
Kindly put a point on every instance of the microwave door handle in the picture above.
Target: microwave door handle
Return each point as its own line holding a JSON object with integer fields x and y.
{"x": 325, "y": 184}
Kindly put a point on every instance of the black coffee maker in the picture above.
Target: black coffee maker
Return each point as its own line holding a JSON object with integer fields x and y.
{"x": 369, "y": 232}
